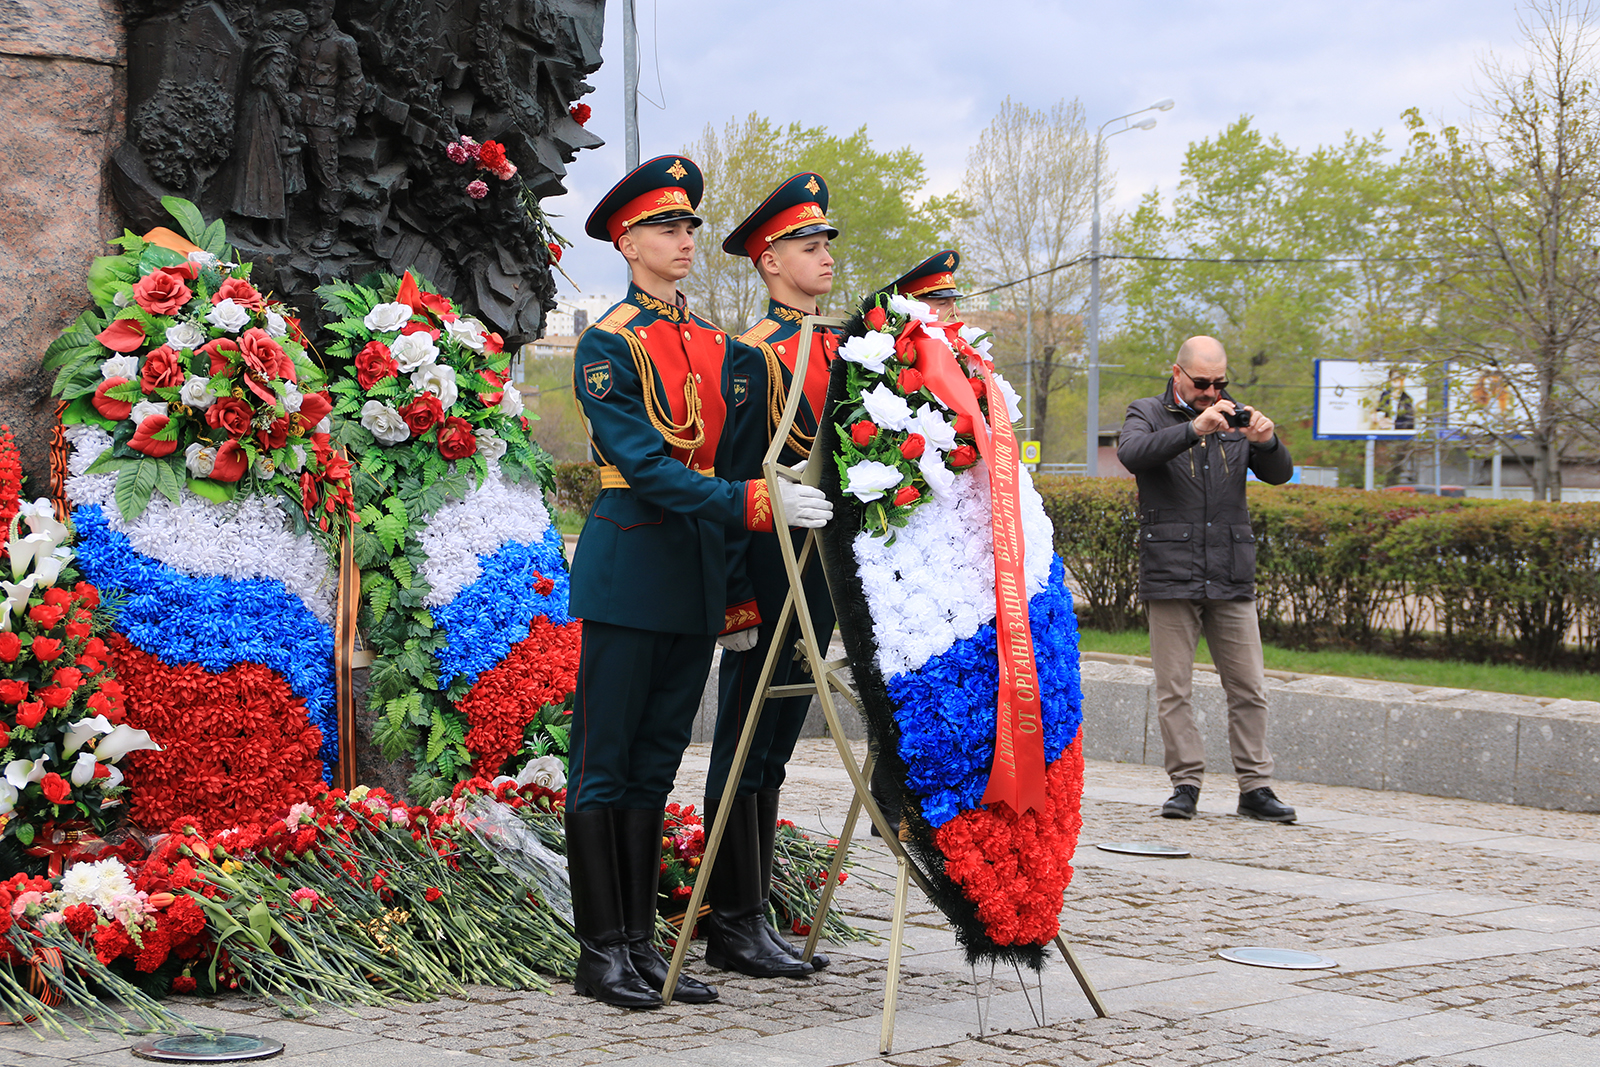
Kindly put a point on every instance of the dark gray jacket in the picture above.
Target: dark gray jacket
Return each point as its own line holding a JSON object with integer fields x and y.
{"x": 1195, "y": 539}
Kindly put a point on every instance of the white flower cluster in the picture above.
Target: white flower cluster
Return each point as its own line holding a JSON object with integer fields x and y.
{"x": 495, "y": 513}
{"x": 249, "y": 538}
{"x": 934, "y": 585}
{"x": 101, "y": 883}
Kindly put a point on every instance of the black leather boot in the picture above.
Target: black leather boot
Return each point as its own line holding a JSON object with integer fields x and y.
{"x": 639, "y": 862}
{"x": 736, "y": 929}
{"x": 767, "y": 830}
{"x": 605, "y": 971}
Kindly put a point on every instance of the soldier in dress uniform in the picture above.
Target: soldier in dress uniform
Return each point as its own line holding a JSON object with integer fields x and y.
{"x": 651, "y": 578}
{"x": 787, "y": 240}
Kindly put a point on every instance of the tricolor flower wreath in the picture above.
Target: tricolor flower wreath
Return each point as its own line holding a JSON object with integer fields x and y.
{"x": 464, "y": 577}
{"x": 206, "y": 493}
{"x": 912, "y": 541}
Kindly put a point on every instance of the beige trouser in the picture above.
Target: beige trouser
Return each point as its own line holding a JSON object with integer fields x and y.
{"x": 1234, "y": 636}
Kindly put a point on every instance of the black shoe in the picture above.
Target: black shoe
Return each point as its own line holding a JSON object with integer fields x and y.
{"x": 1263, "y": 804}
{"x": 736, "y": 930}
{"x": 767, "y": 831}
{"x": 639, "y": 866}
{"x": 605, "y": 971}
{"x": 1181, "y": 804}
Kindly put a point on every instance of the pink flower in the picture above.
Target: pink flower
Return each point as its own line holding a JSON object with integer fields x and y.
{"x": 457, "y": 152}
{"x": 477, "y": 190}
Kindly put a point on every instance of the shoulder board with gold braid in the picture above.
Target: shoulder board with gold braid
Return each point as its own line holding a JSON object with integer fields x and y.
{"x": 759, "y": 332}
{"x": 617, "y": 318}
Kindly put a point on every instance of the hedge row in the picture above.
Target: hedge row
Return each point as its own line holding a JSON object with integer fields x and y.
{"x": 1486, "y": 579}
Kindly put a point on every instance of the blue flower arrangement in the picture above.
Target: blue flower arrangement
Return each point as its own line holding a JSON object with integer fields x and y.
{"x": 495, "y": 612}
{"x": 945, "y": 710}
{"x": 213, "y": 621}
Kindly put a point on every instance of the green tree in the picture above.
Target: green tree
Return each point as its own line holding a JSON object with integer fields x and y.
{"x": 873, "y": 200}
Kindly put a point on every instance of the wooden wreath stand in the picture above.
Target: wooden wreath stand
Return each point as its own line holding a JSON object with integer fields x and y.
{"x": 829, "y": 681}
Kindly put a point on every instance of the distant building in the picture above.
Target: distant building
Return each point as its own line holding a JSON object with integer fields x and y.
{"x": 573, "y": 314}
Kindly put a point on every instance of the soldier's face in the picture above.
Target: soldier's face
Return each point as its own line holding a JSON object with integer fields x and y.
{"x": 804, "y": 262}
{"x": 665, "y": 249}
{"x": 942, "y": 306}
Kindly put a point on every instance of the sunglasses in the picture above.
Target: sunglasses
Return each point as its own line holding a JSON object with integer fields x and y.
{"x": 1205, "y": 384}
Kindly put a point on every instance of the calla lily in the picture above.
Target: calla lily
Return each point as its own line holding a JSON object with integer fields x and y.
{"x": 16, "y": 602}
{"x": 121, "y": 741}
{"x": 8, "y": 798}
{"x": 41, "y": 518}
{"x": 19, "y": 772}
{"x": 83, "y": 771}
{"x": 113, "y": 780}
{"x": 81, "y": 731}
{"x": 48, "y": 568}
{"x": 25, "y": 549}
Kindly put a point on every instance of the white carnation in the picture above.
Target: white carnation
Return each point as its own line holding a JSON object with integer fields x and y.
{"x": 387, "y": 318}
{"x": 459, "y": 534}
{"x": 413, "y": 350}
{"x": 384, "y": 422}
{"x": 440, "y": 380}
{"x": 229, "y": 316}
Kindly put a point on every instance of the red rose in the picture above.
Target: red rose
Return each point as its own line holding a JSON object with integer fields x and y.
{"x": 10, "y": 647}
{"x": 46, "y": 649}
{"x": 913, "y": 446}
{"x": 240, "y": 291}
{"x": 910, "y": 380}
{"x": 58, "y": 597}
{"x": 94, "y": 647}
{"x": 965, "y": 456}
{"x": 456, "y": 440}
{"x": 5, "y": 735}
{"x": 162, "y": 370}
{"x": 492, "y": 398}
{"x": 30, "y": 715}
{"x": 905, "y": 349}
{"x": 162, "y": 293}
{"x": 979, "y": 389}
{"x": 580, "y": 113}
{"x": 906, "y": 495}
{"x": 231, "y": 416}
{"x": 863, "y": 432}
{"x": 56, "y": 789}
{"x": 222, "y": 352}
{"x": 123, "y": 335}
{"x": 13, "y": 690}
{"x": 115, "y": 410}
{"x": 87, "y": 593}
{"x": 493, "y": 343}
{"x": 422, "y": 413}
{"x": 55, "y": 697}
{"x": 47, "y": 615}
{"x": 877, "y": 318}
{"x": 267, "y": 359}
{"x": 144, "y": 438}
{"x": 308, "y": 492}
{"x": 78, "y": 630}
{"x": 100, "y": 704}
{"x": 231, "y": 462}
{"x": 68, "y": 677}
{"x": 374, "y": 363}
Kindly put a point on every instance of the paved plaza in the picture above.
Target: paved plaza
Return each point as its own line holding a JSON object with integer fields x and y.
{"x": 1465, "y": 934}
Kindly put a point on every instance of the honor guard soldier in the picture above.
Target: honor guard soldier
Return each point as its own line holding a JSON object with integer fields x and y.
{"x": 933, "y": 281}
{"x": 787, "y": 239}
{"x": 650, "y": 576}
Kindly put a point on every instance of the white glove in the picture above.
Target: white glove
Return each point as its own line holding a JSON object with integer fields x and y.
{"x": 800, "y": 468}
{"x": 739, "y": 640}
{"x": 805, "y": 505}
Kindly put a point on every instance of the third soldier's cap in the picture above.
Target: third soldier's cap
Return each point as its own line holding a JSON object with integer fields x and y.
{"x": 934, "y": 277}
{"x": 797, "y": 208}
{"x": 664, "y": 189}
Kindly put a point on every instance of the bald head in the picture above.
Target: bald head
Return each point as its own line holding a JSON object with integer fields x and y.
{"x": 1201, "y": 358}
{"x": 1206, "y": 350}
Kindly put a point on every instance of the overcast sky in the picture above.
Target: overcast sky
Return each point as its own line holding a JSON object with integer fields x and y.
{"x": 1307, "y": 71}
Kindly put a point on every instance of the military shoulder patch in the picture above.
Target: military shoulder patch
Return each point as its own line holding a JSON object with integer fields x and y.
{"x": 617, "y": 318}
{"x": 597, "y": 378}
{"x": 741, "y": 389}
{"x": 759, "y": 332}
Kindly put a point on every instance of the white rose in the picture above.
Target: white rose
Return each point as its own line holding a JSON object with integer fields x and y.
{"x": 872, "y": 350}
{"x": 276, "y": 326}
{"x": 144, "y": 409}
{"x": 930, "y": 423}
{"x": 545, "y": 771}
{"x": 941, "y": 479}
{"x": 413, "y": 351}
{"x": 196, "y": 393}
{"x": 229, "y": 316}
{"x": 438, "y": 380}
{"x": 183, "y": 335}
{"x": 384, "y": 422}
{"x": 292, "y": 397}
{"x": 911, "y": 309}
{"x": 204, "y": 260}
{"x": 387, "y": 318}
{"x": 468, "y": 332}
{"x": 489, "y": 445}
{"x": 120, "y": 367}
{"x": 511, "y": 401}
{"x": 200, "y": 459}
{"x": 325, "y": 426}
{"x": 869, "y": 478}
{"x": 887, "y": 409}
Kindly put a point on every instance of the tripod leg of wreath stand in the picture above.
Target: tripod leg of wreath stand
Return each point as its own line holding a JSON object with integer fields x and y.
{"x": 1082, "y": 976}
{"x": 841, "y": 852}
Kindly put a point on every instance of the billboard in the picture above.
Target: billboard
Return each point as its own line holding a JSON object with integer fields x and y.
{"x": 1492, "y": 400}
{"x": 1360, "y": 401}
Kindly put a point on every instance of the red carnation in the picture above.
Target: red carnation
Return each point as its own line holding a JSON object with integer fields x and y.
{"x": 161, "y": 292}
{"x": 910, "y": 380}
{"x": 115, "y": 410}
{"x": 433, "y": 894}
{"x": 56, "y": 788}
{"x": 492, "y": 155}
{"x": 423, "y": 413}
{"x": 240, "y": 291}
{"x": 863, "y": 432}
{"x": 580, "y": 113}
{"x": 80, "y": 918}
{"x": 555, "y": 252}
{"x": 456, "y": 439}
{"x": 111, "y": 941}
{"x": 184, "y": 983}
{"x": 906, "y": 495}
{"x": 913, "y": 446}
{"x": 877, "y": 318}
{"x": 965, "y": 456}
{"x": 46, "y": 649}
{"x": 144, "y": 438}
{"x": 10, "y": 647}
{"x": 374, "y": 363}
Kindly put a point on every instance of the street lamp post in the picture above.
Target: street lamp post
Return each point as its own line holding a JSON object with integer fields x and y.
{"x": 1100, "y": 137}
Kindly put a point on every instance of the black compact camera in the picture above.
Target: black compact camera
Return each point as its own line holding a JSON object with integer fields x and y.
{"x": 1239, "y": 418}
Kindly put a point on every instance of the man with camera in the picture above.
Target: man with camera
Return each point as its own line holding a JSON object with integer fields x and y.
{"x": 1189, "y": 448}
